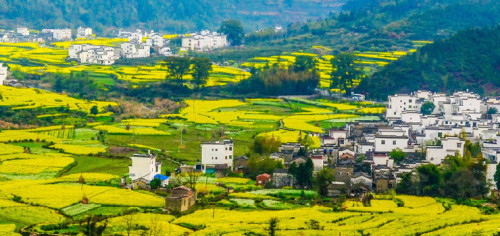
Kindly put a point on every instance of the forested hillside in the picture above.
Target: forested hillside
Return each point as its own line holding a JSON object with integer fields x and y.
{"x": 373, "y": 25}
{"x": 468, "y": 60}
{"x": 167, "y": 15}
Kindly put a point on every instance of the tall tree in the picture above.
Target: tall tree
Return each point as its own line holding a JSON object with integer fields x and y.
{"x": 497, "y": 176}
{"x": 234, "y": 31}
{"x": 201, "y": 69}
{"x": 345, "y": 72}
{"x": 303, "y": 63}
{"x": 177, "y": 67}
{"x": 323, "y": 179}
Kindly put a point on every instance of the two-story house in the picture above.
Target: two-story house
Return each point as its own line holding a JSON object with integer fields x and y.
{"x": 216, "y": 154}
{"x": 144, "y": 166}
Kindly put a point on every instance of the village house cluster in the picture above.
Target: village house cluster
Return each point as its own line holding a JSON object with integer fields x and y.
{"x": 360, "y": 152}
{"x": 139, "y": 45}
{"x": 23, "y": 34}
{"x": 204, "y": 41}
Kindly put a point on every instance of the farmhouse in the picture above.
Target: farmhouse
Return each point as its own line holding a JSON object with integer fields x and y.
{"x": 216, "y": 153}
{"x": 144, "y": 166}
{"x": 83, "y": 32}
{"x": 205, "y": 41}
{"x": 262, "y": 179}
{"x": 182, "y": 199}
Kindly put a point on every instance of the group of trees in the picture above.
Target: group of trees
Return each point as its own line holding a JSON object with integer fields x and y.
{"x": 199, "y": 68}
{"x": 458, "y": 177}
{"x": 345, "y": 72}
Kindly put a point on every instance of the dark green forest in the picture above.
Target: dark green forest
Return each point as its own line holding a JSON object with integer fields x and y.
{"x": 166, "y": 15}
{"x": 468, "y": 60}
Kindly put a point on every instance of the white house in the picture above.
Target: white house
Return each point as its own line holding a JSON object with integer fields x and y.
{"x": 155, "y": 40}
{"x": 449, "y": 146}
{"x": 216, "y": 153}
{"x": 23, "y": 31}
{"x": 387, "y": 143}
{"x": 165, "y": 51}
{"x": 381, "y": 159}
{"x": 317, "y": 161}
{"x": 4, "y": 71}
{"x": 130, "y": 50}
{"x": 339, "y": 137}
{"x": 144, "y": 166}
{"x": 59, "y": 34}
{"x": 364, "y": 147}
{"x": 205, "y": 41}
{"x": 399, "y": 103}
{"x": 83, "y": 32}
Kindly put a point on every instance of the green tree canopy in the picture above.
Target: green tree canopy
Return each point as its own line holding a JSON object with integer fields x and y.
{"x": 201, "y": 70}
{"x": 234, "y": 31}
{"x": 344, "y": 72}
{"x": 427, "y": 108}
{"x": 323, "y": 178}
{"x": 303, "y": 63}
{"x": 177, "y": 67}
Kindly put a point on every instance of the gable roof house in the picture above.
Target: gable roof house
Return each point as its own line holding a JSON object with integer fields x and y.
{"x": 262, "y": 179}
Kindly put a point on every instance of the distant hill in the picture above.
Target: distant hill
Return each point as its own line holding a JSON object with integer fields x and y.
{"x": 372, "y": 25}
{"x": 176, "y": 16}
{"x": 468, "y": 60}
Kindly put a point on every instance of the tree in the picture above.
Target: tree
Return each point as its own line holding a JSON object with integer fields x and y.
{"x": 323, "y": 178}
{"x": 201, "y": 69}
{"x": 430, "y": 179}
{"x": 345, "y": 72}
{"x": 397, "y": 155}
{"x": 234, "y": 31}
{"x": 273, "y": 226}
{"x": 193, "y": 178}
{"x": 302, "y": 172}
{"x": 427, "y": 108}
{"x": 264, "y": 144}
{"x": 92, "y": 228}
{"x": 258, "y": 165}
{"x": 94, "y": 110}
{"x": 407, "y": 185}
{"x": 497, "y": 176}
{"x": 492, "y": 111}
{"x": 303, "y": 63}
{"x": 128, "y": 221}
{"x": 177, "y": 67}
{"x": 155, "y": 183}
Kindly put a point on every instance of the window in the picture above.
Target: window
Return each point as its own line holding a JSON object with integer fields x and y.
{"x": 410, "y": 100}
{"x": 440, "y": 134}
{"x": 226, "y": 148}
{"x": 215, "y": 158}
{"x": 394, "y": 142}
{"x": 230, "y": 148}
{"x": 226, "y": 157}
{"x": 459, "y": 145}
{"x": 230, "y": 156}
{"x": 382, "y": 142}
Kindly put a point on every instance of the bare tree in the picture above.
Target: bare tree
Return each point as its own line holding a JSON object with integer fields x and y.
{"x": 192, "y": 179}
{"x": 155, "y": 227}
{"x": 128, "y": 220}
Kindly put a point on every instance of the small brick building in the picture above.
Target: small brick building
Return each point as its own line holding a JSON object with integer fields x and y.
{"x": 262, "y": 179}
{"x": 182, "y": 199}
